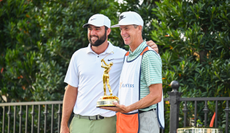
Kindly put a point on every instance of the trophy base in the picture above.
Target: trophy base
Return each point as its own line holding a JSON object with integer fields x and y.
{"x": 107, "y": 101}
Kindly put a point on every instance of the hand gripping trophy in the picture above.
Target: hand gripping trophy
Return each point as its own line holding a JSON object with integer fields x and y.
{"x": 106, "y": 100}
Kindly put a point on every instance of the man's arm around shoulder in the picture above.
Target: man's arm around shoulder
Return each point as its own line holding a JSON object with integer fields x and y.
{"x": 69, "y": 100}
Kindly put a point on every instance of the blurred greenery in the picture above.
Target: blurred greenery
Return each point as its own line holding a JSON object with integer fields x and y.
{"x": 38, "y": 38}
{"x": 194, "y": 42}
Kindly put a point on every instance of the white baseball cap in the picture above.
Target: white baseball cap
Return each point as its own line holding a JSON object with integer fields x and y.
{"x": 129, "y": 18}
{"x": 98, "y": 20}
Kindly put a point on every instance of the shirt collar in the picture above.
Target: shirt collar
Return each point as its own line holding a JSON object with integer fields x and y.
{"x": 139, "y": 49}
{"x": 108, "y": 50}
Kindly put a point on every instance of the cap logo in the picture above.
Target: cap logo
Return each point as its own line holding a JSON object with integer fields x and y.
{"x": 121, "y": 17}
{"x": 92, "y": 19}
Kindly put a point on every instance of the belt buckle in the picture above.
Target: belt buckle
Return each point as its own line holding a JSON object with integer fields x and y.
{"x": 92, "y": 119}
{"x": 97, "y": 117}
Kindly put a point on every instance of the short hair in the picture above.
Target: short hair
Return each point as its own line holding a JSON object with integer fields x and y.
{"x": 106, "y": 28}
{"x": 135, "y": 26}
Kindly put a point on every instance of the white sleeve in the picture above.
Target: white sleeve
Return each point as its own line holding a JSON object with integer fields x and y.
{"x": 71, "y": 77}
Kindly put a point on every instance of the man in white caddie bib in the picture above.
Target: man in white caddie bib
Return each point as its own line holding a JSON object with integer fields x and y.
{"x": 85, "y": 83}
{"x": 140, "y": 90}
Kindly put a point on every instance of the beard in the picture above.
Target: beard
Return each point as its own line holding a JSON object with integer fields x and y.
{"x": 99, "y": 41}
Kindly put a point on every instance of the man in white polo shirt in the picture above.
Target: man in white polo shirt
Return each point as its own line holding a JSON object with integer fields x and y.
{"x": 141, "y": 96}
{"x": 84, "y": 79}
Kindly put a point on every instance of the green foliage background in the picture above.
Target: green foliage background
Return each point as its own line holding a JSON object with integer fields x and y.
{"x": 37, "y": 39}
{"x": 194, "y": 41}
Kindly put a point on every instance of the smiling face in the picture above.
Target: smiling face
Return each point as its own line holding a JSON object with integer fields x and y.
{"x": 96, "y": 35}
{"x": 130, "y": 33}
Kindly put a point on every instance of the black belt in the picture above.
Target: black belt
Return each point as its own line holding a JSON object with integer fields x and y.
{"x": 140, "y": 111}
{"x": 96, "y": 117}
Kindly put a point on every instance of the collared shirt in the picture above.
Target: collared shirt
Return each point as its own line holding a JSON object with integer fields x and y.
{"x": 151, "y": 70}
{"x": 85, "y": 72}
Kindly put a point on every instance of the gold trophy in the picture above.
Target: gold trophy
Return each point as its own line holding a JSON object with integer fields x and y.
{"x": 106, "y": 100}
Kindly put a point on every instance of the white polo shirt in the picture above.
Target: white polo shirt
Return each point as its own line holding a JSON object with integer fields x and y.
{"x": 85, "y": 72}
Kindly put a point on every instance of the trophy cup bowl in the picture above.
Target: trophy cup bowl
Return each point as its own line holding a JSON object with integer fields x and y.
{"x": 107, "y": 101}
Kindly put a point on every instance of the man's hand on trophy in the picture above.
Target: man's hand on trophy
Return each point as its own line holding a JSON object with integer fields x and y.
{"x": 118, "y": 108}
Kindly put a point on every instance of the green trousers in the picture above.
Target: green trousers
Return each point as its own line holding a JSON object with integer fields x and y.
{"x": 81, "y": 125}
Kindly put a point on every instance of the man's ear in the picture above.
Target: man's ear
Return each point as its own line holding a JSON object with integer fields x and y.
{"x": 108, "y": 31}
{"x": 140, "y": 27}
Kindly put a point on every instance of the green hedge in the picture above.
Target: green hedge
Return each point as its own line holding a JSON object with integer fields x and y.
{"x": 194, "y": 41}
{"x": 37, "y": 39}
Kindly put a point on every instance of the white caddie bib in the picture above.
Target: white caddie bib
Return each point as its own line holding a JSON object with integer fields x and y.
{"x": 129, "y": 90}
